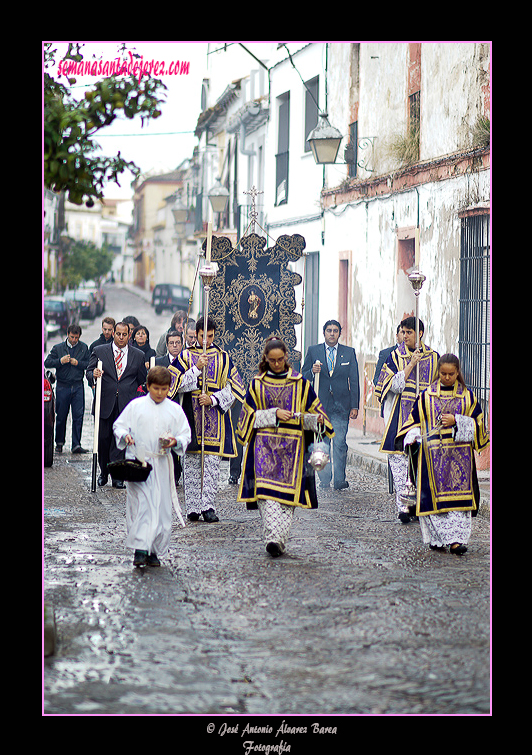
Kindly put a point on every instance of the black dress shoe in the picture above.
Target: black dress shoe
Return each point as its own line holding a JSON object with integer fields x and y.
{"x": 342, "y": 485}
{"x": 140, "y": 558}
{"x": 274, "y": 549}
{"x": 119, "y": 484}
{"x": 404, "y": 517}
{"x": 59, "y": 448}
{"x": 210, "y": 516}
{"x": 233, "y": 480}
{"x": 79, "y": 450}
{"x": 458, "y": 549}
{"x": 153, "y": 560}
{"x": 193, "y": 517}
{"x": 102, "y": 480}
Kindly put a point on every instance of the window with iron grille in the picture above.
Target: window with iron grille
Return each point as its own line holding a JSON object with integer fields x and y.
{"x": 474, "y": 327}
{"x": 351, "y": 151}
{"x": 281, "y": 158}
{"x": 311, "y": 108}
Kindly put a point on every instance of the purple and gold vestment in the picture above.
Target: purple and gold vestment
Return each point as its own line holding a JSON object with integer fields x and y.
{"x": 220, "y": 373}
{"x": 403, "y": 402}
{"x": 446, "y": 469}
{"x": 275, "y": 465}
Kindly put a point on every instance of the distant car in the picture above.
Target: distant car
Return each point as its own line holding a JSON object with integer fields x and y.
{"x": 86, "y": 301}
{"x": 48, "y": 419}
{"x": 61, "y": 311}
{"x": 99, "y": 296}
{"x": 170, "y": 296}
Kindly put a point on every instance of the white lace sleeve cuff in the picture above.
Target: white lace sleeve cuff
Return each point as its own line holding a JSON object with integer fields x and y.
{"x": 412, "y": 436}
{"x": 310, "y": 422}
{"x": 224, "y": 398}
{"x": 266, "y": 417}
{"x": 398, "y": 382}
{"x": 189, "y": 381}
{"x": 464, "y": 432}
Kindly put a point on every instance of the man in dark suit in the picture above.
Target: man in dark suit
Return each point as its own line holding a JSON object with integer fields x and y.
{"x": 339, "y": 392}
{"x": 385, "y": 353}
{"x": 123, "y": 371}
{"x": 174, "y": 344}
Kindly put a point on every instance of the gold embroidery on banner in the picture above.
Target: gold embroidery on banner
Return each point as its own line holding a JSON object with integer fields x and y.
{"x": 248, "y": 304}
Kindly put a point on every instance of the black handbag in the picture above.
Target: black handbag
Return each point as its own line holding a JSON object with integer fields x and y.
{"x": 129, "y": 470}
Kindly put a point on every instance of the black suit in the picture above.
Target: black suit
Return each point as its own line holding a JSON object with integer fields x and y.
{"x": 162, "y": 361}
{"x": 383, "y": 356}
{"x": 116, "y": 394}
{"x": 339, "y": 392}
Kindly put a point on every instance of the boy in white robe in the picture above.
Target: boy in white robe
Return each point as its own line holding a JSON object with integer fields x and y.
{"x": 140, "y": 427}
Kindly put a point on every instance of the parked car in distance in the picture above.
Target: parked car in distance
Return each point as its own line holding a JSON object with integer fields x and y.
{"x": 99, "y": 295}
{"x": 170, "y": 296}
{"x": 86, "y": 301}
{"x": 48, "y": 419}
{"x": 61, "y": 311}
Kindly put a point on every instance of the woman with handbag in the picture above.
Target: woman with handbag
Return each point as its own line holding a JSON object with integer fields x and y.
{"x": 149, "y": 428}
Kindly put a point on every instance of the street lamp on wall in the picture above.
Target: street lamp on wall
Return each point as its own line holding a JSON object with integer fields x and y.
{"x": 179, "y": 211}
{"x": 218, "y": 197}
{"x": 324, "y": 141}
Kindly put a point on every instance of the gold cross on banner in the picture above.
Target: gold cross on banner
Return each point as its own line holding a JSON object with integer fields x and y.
{"x": 253, "y": 214}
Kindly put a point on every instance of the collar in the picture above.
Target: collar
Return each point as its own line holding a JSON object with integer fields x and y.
{"x": 116, "y": 348}
{"x": 331, "y": 347}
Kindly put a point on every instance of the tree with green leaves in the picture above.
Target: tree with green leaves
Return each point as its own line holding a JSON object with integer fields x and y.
{"x": 71, "y": 162}
{"x": 83, "y": 260}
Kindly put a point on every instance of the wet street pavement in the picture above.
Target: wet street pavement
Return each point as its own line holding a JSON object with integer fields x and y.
{"x": 358, "y": 618}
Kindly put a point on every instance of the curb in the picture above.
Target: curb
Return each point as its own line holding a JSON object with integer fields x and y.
{"x": 375, "y": 466}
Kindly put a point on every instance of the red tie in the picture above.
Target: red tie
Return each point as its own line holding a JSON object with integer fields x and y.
{"x": 118, "y": 362}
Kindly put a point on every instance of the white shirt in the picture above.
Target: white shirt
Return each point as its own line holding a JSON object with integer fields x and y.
{"x": 124, "y": 351}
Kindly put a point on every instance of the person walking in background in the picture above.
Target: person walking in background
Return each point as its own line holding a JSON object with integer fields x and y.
{"x": 131, "y": 322}
{"x": 174, "y": 345}
{"x": 190, "y": 335}
{"x": 445, "y": 427}
{"x": 385, "y": 353}
{"x": 123, "y": 371}
{"x": 106, "y": 336}
{"x": 140, "y": 338}
{"x": 70, "y": 359}
{"x": 339, "y": 393}
{"x": 176, "y": 323}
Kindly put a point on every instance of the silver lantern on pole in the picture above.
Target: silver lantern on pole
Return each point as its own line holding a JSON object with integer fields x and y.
{"x": 408, "y": 494}
{"x": 207, "y": 274}
{"x": 417, "y": 279}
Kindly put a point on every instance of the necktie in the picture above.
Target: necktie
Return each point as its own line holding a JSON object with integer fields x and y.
{"x": 330, "y": 359}
{"x": 119, "y": 355}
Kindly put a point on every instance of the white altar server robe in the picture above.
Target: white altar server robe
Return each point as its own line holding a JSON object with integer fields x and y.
{"x": 149, "y": 504}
